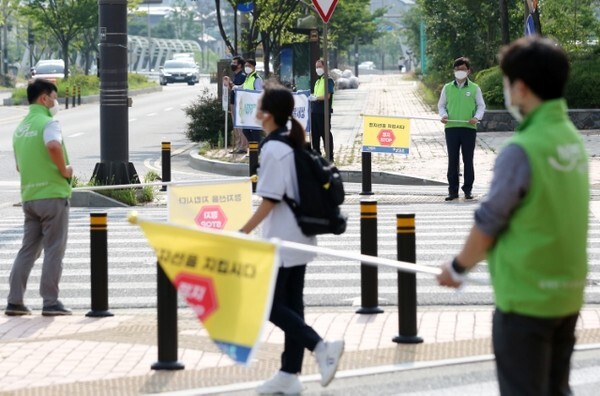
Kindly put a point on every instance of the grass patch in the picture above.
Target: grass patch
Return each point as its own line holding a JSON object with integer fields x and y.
{"x": 128, "y": 196}
{"x": 89, "y": 85}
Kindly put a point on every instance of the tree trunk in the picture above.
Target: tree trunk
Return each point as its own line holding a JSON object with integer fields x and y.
{"x": 221, "y": 29}
{"x": 65, "y": 55}
{"x": 504, "y": 21}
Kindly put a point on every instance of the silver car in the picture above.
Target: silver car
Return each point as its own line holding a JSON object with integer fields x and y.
{"x": 177, "y": 70}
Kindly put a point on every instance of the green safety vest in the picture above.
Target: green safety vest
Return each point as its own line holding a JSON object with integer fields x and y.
{"x": 249, "y": 82}
{"x": 320, "y": 90}
{"x": 539, "y": 263}
{"x": 40, "y": 178}
{"x": 461, "y": 103}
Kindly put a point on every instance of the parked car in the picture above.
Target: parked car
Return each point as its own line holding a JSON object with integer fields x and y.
{"x": 50, "y": 69}
{"x": 367, "y": 65}
{"x": 176, "y": 70}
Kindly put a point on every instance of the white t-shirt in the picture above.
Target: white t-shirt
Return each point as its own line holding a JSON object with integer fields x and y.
{"x": 276, "y": 178}
{"x": 52, "y": 131}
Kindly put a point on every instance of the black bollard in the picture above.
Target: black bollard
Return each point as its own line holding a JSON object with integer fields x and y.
{"x": 166, "y": 164}
{"x": 67, "y": 98}
{"x": 407, "y": 282}
{"x": 166, "y": 309}
{"x": 253, "y": 161}
{"x": 74, "y": 93}
{"x": 366, "y": 174}
{"x": 368, "y": 246}
{"x": 79, "y": 95}
{"x": 99, "y": 265}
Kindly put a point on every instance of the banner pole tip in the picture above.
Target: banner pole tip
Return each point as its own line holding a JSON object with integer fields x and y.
{"x": 132, "y": 217}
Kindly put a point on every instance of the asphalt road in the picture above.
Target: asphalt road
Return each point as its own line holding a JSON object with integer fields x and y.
{"x": 154, "y": 118}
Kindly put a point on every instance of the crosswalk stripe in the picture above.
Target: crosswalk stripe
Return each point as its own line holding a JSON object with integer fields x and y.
{"x": 329, "y": 280}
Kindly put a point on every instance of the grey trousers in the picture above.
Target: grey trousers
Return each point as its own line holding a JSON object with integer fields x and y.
{"x": 46, "y": 227}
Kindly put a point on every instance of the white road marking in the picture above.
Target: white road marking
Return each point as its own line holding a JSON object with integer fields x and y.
{"x": 168, "y": 109}
{"x": 132, "y": 119}
{"x": 151, "y": 114}
{"x": 76, "y": 135}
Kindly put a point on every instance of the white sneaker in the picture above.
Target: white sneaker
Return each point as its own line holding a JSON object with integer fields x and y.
{"x": 328, "y": 354}
{"x": 281, "y": 383}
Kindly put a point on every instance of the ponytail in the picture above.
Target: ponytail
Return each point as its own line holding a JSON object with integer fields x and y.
{"x": 297, "y": 134}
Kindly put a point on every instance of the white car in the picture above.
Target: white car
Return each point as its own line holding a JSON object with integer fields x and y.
{"x": 175, "y": 71}
{"x": 368, "y": 65}
{"x": 51, "y": 70}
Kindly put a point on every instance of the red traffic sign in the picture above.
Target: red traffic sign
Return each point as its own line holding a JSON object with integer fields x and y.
{"x": 386, "y": 137}
{"x": 325, "y": 8}
{"x": 211, "y": 216}
{"x": 199, "y": 292}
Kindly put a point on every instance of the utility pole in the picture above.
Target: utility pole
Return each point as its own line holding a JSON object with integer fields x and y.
{"x": 114, "y": 166}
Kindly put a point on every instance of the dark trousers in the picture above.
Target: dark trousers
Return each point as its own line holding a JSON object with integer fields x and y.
{"x": 287, "y": 313}
{"x": 533, "y": 355}
{"x": 317, "y": 128}
{"x": 457, "y": 140}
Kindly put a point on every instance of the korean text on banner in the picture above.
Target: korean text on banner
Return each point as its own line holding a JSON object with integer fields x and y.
{"x": 228, "y": 281}
{"x": 246, "y": 104}
{"x": 386, "y": 135}
{"x": 222, "y": 206}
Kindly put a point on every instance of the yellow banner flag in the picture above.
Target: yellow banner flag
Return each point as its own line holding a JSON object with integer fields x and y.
{"x": 227, "y": 280}
{"x": 225, "y": 205}
{"x": 386, "y": 135}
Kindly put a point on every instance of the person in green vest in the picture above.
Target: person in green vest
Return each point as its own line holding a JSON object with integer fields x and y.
{"x": 533, "y": 226}
{"x": 317, "y": 110}
{"x": 253, "y": 82}
{"x": 461, "y": 107}
{"x": 45, "y": 172}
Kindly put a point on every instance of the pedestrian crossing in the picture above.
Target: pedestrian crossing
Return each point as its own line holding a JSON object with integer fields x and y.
{"x": 440, "y": 232}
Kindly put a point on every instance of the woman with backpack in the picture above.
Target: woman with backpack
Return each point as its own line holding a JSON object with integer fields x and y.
{"x": 277, "y": 178}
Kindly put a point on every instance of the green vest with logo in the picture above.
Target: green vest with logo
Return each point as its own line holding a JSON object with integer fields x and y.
{"x": 461, "y": 103}
{"x": 249, "y": 81}
{"x": 539, "y": 263}
{"x": 40, "y": 178}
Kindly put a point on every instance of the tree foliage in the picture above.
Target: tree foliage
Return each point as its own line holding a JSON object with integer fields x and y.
{"x": 572, "y": 23}
{"x": 64, "y": 19}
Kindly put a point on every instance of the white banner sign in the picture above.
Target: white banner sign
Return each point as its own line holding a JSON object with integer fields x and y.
{"x": 246, "y": 102}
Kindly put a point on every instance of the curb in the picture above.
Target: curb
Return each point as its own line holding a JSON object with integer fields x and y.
{"x": 92, "y": 98}
{"x": 204, "y": 164}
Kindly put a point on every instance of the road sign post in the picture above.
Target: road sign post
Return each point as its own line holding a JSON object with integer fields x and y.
{"x": 325, "y": 10}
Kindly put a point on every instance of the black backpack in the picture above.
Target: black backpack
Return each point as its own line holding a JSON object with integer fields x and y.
{"x": 321, "y": 193}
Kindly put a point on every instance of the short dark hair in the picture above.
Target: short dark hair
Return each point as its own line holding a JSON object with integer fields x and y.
{"x": 251, "y": 61}
{"x": 239, "y": 60}
{"x": 39, "y": 87}
{"x": 539, "y": 62}
{"x": 321, "y": 60}
{"x": 463, "y": 60}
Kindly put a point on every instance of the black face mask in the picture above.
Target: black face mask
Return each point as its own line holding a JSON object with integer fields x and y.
{"x": 234, "y": 67}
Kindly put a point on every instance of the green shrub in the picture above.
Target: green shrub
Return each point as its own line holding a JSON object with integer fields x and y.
{"x": 490, "y": 82}
{"x": 206, "y": 119}
{"x": 90, "y": 85}
{"x": 7, "y": 81}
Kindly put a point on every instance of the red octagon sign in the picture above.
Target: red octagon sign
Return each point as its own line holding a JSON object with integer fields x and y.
{"x": 386, "y": 137}
{"x": 199, "y": 292}
{"x": 211, "y": 216}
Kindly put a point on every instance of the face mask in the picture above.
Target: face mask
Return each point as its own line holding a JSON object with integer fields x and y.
{"x": 233, "y": 67}
{"x": 320, "y": 71}
{"x": 248, "y": 70}
{"x": 54, "y": 109}
{"x": 512, "y": 109}
{"x": 460, "y": 74}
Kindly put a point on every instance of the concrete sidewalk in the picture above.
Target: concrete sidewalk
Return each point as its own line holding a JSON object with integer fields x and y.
{"x": 112, "y": 356}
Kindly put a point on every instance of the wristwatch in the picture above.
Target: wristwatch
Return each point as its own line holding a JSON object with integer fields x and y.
{"x": 457, "y": 267}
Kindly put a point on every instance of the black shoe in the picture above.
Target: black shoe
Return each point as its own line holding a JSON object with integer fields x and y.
{"x": 16, "y": 310}
{"x": 242, "y": 151}
{"x": 468, "y": 196}
{"x": 451, "y": 197}
{"x": 57, "y": 309}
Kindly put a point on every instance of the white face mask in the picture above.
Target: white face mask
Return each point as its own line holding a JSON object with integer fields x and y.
{"x": 320, "y": 71}
{"x": 54, "y": 109}
{"x": 512, "y": 109}
{"x": 248, "y": 70}
{"x": 460, "y": 74}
